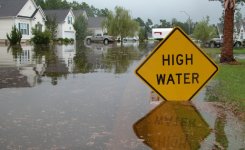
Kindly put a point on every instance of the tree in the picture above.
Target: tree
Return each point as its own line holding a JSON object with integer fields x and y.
{"x": 184, "y": 26}
{"x": 40, "y": 3}
{"x": 227, "y": 49}
{"x": 142, "y": 34}
{"x": 51, "y": 26}
{"x": 164, "y": 24}
{"x": 148, "y": 25}
{"x": 120, "y": 23}
{"x": 140, "y": 21}
{"x": 54, "y": 4}
{"x": 203, "y": 31}
{"x": 80, "y": 26}
{"x": 103, "y": 12}
{"x": 15, "y": 36}
{"x": 41, "y": 37}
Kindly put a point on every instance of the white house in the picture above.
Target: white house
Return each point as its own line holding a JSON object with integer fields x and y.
{"x": 24, "y": 14}
{"x": 241, "y": 35}
{"x": 65, "y": 20}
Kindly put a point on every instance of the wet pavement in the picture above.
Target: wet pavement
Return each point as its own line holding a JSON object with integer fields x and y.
{"x": 88, "y": 97}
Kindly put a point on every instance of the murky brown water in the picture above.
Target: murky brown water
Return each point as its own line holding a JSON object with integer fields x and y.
{"x": 88, "y": 97}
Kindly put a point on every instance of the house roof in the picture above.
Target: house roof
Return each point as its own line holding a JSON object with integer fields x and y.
{"x": 95, "y": 22}
{"x": 10, "y": 8}
{"x": 59, "y": 14}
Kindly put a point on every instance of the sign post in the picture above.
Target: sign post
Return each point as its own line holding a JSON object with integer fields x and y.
{"x": 177, "y": 69}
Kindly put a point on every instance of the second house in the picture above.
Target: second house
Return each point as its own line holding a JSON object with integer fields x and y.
{"x": 65, "y": 20}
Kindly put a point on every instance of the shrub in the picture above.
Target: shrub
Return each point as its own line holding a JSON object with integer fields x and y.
{"x": 41, "y": 37}
{"x": 15, "y": 36}
{"x": 66, "y": 40}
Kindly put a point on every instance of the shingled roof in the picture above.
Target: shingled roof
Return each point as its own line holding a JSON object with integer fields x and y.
{"x": 11, "y": 8}
{"x": 95, "y": 22}
{"x": 59, "y": 14}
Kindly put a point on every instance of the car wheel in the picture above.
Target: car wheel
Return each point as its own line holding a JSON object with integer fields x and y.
{"x": 238, "y": 44}
{"x": 212, "y": 45}
{"x": 106, "y": 41}
{"x": 88, "y": 41}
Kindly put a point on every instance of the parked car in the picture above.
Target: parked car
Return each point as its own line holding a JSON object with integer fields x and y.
{"x": 238, "y": 43}
{"x": 126, "y": 39}
{"x": 214, "y": 42}
{"x": 106, "y": 39}
{"x": 218, "y": 42}
{"x": 134, "y": 39}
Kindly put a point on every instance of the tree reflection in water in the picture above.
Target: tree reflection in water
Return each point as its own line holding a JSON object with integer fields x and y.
{"x": 82, "y": 64}
{"x": 120, "y": 58}
{"x": 99, "y": 57}
{"x": 16, "y": 50}
{"x": 54, "y": 68}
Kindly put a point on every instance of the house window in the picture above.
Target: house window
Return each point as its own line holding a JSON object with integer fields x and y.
{"x": 24, "y": 28}
{"x": 69, "y": 20}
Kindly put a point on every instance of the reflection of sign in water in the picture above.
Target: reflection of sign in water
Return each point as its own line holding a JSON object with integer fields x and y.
{"x": 176, "y": 66}
{"x": 172, "y": 126}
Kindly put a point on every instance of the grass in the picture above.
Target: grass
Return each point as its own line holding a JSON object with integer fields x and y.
{"x": 230, "y": 85}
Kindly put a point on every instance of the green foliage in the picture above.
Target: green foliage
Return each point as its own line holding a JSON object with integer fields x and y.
{"x": 140, "y": 21}
{"x": 203, "y": 31}
{"x": 121, "y": 23}
{"x": 15, "y": 36}
{"x": 16, "y": 50}
{"x": 80, "y": 25}
{"x": 53, "y": 4}
{"x": 148, "y": 25}
{"x": 64, "y": 40}
{"x": 51, "y": 26}
{"x": 63, "y": 4}
{"x": 41, "y": 37}
{"x": 164, "y": 24}
{"x": 142, "y": 34}
{"x": 185, "y": 26}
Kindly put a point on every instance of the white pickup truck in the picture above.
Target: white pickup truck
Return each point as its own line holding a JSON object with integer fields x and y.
{"x": 99, "y": 38}
{"x": 218, "y": 42}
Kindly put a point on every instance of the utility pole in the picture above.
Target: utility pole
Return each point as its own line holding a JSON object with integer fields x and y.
{"x": 189, "y": 21}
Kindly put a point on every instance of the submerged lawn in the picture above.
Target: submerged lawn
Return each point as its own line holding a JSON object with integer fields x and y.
{"x": 229, "y": 83}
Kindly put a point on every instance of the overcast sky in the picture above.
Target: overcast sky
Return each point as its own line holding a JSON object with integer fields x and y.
{"x": 164, "y": 9}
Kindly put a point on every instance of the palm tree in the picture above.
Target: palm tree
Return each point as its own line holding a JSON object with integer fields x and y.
{"x": 227, "y": 49}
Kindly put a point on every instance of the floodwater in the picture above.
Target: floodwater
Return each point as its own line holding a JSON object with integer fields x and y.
{"x": 76, "y": 97}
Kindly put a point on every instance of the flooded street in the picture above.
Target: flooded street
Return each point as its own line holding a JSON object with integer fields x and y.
{"x": 88, "y": 97}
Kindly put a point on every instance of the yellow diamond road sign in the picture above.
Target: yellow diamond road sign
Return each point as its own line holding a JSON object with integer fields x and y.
{"x": 177, "y": 69}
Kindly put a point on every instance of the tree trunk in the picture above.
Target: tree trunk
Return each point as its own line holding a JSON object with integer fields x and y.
{"x": 227, "y": 49}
